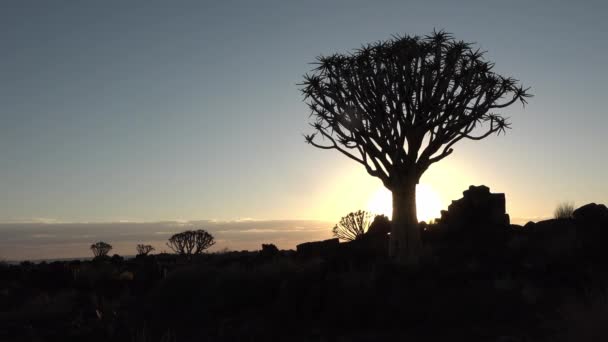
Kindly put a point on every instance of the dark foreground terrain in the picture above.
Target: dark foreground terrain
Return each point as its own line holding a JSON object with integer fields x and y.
{"x": 542, "y": 282}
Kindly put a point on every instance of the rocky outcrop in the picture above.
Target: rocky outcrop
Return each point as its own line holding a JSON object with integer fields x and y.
{"x": 477, "y": 207}
{"x": 475, "y": 227}
{"x": 591, "y": 214}
{"x": 380, "y": 226}
{"x": 554, "y": 238}
{"x": 584, "y": 235}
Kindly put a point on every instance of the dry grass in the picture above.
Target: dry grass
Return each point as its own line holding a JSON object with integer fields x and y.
{"x": 564, "y": 210}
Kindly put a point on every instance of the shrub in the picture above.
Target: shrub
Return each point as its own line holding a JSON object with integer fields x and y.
{"x": 564, "y": 210}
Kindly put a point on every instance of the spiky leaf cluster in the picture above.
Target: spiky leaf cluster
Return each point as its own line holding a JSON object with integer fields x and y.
{"x": 398, "y": 106}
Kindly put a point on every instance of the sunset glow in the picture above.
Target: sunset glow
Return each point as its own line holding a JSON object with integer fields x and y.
{"x": 428, "y": 202}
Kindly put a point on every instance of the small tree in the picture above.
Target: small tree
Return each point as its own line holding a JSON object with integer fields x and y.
{"x": 101, "y": 249}
{"x": 564, "y": 210}
{"x": 399, "y": 106}
{"x": 352, "y": 226}
{"x": 144, "y": 249}
{"x": 191, "y": 242}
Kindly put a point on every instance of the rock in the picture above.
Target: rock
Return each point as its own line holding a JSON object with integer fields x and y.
{"x": 318, "y": 248}
{"x": 477, "y": 207}
{"x": 591, "y": 213}
{"x": 592, "y": 222}
{"x": 380, "y": 226}
{"x": 555, "y": 238}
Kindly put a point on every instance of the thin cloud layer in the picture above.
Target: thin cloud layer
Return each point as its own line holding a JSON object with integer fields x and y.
{"x": 35, "y": 240}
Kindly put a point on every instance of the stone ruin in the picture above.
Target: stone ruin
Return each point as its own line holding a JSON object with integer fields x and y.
{"x": 478, "y": 217}
{"x": 478, "y": 207}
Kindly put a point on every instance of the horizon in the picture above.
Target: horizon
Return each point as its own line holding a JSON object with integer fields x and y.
{"x": 122, "y": 114}
{"x": 43, "y": 241}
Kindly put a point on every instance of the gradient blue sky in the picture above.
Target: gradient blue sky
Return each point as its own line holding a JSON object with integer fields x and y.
{"x": 165, "y": 110}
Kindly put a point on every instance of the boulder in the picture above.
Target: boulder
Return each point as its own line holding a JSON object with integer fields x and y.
{"x": 555, "y": 238}
{"x": 592, "y": 223}
{"x": 477, "y": 208}
{"x": 591, "y": 213}
{"x": 380, "y": 226}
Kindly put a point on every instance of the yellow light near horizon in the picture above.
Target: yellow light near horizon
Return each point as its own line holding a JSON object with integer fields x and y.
{"x": 381, "y": 203}
{"x": 428, "y": 203}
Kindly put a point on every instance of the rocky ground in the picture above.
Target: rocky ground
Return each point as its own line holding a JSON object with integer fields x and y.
{"x": 482, "y": 279}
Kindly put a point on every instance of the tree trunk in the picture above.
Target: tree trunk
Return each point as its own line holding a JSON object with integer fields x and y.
{"x": 405, "y": 242}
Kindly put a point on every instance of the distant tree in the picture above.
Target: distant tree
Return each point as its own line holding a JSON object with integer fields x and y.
{"x": 398, "y": 106}
{"x": 144, "y": 249}
{"x": 269, "y": 250}
{"x": 352, "y": 226}
{"x": 101, "y": 249}
{"x": 564, "y": 210}
{"x": 191, "y": 242}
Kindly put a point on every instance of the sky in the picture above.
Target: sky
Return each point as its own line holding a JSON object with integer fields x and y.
{"x": 190, "y": 111}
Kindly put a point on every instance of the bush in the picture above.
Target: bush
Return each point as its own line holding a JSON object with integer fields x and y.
{"x": 564, "y": 210}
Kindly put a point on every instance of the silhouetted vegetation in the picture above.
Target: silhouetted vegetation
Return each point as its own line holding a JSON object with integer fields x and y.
{"x": 352, "y": 226}
{"x": 564, "y": 210}
{"x": 191, "y": 242}
{"x": 144, "y": 249}
{"x": 481, "y": 279}
{"x": 400, "y": 105}
{"x": 101, "y": 249}
{"x": 269, "y": 251}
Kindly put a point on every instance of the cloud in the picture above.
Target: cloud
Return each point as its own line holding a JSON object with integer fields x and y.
{"x": 49, "y": 240}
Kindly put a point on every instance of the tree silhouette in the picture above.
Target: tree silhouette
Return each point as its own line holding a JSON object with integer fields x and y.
{"x": 144, "y": 249}
{"x": 191, "y": 242}
{"x": 399, "y": 106}
{"x": 101, "y": 249}
{"x": 352, "y": 226}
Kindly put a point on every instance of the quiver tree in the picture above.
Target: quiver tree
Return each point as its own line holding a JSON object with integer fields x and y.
{"x": 398, "y": 106}
{"x": 191, "y": 242}
{"x": 352, "y": 226}
{"x": 144, "y": 249}
{"x": 101, "y": 249}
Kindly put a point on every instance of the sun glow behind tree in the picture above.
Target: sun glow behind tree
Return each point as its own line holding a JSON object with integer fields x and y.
{"x": 428, "y": 202}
